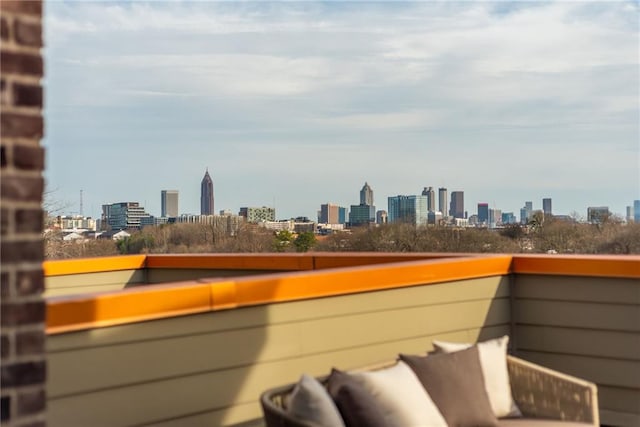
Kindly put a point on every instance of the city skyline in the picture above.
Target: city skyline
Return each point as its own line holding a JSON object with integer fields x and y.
{"x": 295, "y": 104}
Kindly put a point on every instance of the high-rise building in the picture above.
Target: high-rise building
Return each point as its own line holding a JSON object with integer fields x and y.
{"x": 365, "y": 212}
{"x": 332, "y": 214}
{"x": 430, "y": 193}
{"x": 525, "y": 212}
{"x": 546, "y": 206}
{"x": 366, "y": 195}
{"x": 408, "y": 209}
{"x": 442, "y": 201}
{"x": 483, "y": 213}
{"x": 457, "y": 204}
{"x": 636, "y": 211}
{"x": 122, "y": 216}
{"x": 381, "y": 217}
{"x": 256, "y": 215}
{"x": 206, "y": 195}
{"x": 598, "y": 214}
{"x": 169, "y": 203}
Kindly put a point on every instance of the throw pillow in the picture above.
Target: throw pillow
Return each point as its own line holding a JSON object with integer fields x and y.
{"x": 455, "y": 383}
{"x": 400, "y": 396}
{"x": 493, "y": 359}
{"x": 357, "y": 407}
{"x": 311, "y": 402}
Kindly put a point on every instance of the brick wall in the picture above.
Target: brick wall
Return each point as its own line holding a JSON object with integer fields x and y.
{"x": 21, "y": 184}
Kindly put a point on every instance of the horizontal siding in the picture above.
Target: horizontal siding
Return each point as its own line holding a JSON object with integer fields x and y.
{"x": 586, "y": 327}
{"x": 92, "y": 282}
{"x": 165, "y": 275}
{"x": 208, "y": 367}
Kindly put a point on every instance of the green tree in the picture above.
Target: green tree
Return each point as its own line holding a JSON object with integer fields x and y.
{"x": 304, "y": 241}
{"x": 282, "y": 240}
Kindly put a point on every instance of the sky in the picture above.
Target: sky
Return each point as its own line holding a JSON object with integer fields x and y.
{"x": 296, "y": 104}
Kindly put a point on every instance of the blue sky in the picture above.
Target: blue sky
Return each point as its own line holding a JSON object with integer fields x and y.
{"x": 299, "y": 103}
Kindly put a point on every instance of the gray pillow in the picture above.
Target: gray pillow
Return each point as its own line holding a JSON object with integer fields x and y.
{"x": 456, "y": 385}
{"x": 311, "y": 402}
{"x": 357, "y": 406}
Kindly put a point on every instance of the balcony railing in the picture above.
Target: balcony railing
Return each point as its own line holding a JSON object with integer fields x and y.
{"x": 200, "y": 349}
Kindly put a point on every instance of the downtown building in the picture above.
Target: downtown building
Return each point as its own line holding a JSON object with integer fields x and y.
{"x": 169, "y": 203}
{"x": 123, "y": 216}
{"x": 456, "y": 207}
{"x": 408, "y": 209}
{"x": 206, "y": 195}
{"x": 332, "y": 214}
{"x": 365, "y": 212}
{"x": 256, "y": 215}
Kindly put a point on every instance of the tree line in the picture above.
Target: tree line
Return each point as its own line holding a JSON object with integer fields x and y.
{"x": 548, "y": 236}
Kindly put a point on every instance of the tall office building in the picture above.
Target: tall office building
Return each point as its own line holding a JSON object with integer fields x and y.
{"x": 546, "y": 206}
{"x": 457, "y": 204}
{"x": 257, "y": 215}
{"x": 366, "y": 195}
{"x": 636, "y": 211}
{"x": 525, "y": 212}
{"x": 169, "y": 203}
{"x": 442, "y": 201}
{"x": 122, "y": 216}
{"x": 408, "y": 209}
{"x": 206, "y": 195}
{"x": 430, "y": 193}
{"x": 332, "y": 214}
{"x": 483, "y": 213}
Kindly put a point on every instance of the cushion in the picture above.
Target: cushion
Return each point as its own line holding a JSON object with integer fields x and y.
{"x": 493, "y": 359}
{"x": 311, "y": 402}
{"x": 357, "y": 407}
{"x": 401, "y": 397}
{"x": 455, "y": 383}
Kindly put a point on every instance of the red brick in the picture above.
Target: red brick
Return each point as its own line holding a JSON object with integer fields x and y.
{"x": 3, "y": 156}
{"x": 5, "y": 284}
{"x": 27, "y": 33}
{"x": 5, "y": 346}
{"x": 30, "y": 282}
{"x": 29, "y": 220}
{"x": 4, "y": 221}
{"x": 24, "y": 251}
{"x": 21, "y": 126}
{"x": 31, "y": 402}
{"x": 21, "y": 188}
{"x": 25, "y": 313}
{"x": 27, "y": 95}
{"x": 30, "y": 343}
{"x": 5, "y": 408}
{"x": 20, "y": 374}
{"x": 28, "y": 7}
{"x": 4, "y": 29}
{"x": 4, "y": 92}
{"x": 22, "y": 63}
{"x": 28, "y": 157}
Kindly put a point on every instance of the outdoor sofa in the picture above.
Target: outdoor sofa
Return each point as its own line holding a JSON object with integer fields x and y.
{"x": 535, "y": 396}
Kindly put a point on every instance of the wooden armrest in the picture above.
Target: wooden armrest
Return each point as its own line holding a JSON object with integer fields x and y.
{"x": 544, "y": 393}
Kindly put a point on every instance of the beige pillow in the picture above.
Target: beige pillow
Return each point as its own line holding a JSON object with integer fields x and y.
{"x": 493, "y": 360}
{"x": 401, "y": 397}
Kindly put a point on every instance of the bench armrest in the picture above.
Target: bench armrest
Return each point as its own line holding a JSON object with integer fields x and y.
{"x": 544, "y": 393}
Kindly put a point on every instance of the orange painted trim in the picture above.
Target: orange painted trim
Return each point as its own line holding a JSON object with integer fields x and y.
{"x": 93, "y": 265}
{"x": 267, "y": 261}
{"x": 325, "y": 283}
{"x": 65, "y": 314}
{"x": 620, "y": 266}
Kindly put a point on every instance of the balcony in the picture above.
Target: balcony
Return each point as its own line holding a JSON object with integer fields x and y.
{"x": 192, "y": 340}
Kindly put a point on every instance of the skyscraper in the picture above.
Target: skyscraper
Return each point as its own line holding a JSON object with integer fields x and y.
{"x": 636, "y": 211}
{"x": 332, "y": 214}
{"x": 442, "y": 201}
{"x": 408, "y": 209}
{"x": 483, "y": 213}
{"x": 431, "y": 198}
{"x": 366, "y": 195}
{"x": 169, "y": 203}
{"x": 206, "y": 195}
{"x": 457, "y": 204}
{"x": 546, "y": 206}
